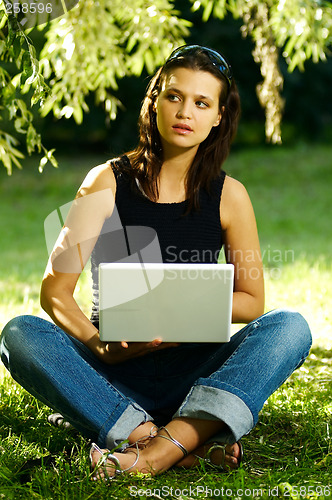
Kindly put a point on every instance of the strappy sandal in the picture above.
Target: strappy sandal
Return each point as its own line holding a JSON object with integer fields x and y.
{"x": 107, "y": 456}
{"x": 170, "y": 438}
{"x": 57, "y": 420}
{"x": 144, "y": 441}
{"x": 207, "y": 459}
{"x": 220, "y": 447}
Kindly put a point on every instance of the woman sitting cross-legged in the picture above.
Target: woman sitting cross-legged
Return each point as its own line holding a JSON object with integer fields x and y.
{"x": 150, "y": 406}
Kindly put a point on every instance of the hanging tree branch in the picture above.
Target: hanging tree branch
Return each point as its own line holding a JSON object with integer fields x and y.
{"x": 300, "y": 29}
{"x": 266, "y": 54}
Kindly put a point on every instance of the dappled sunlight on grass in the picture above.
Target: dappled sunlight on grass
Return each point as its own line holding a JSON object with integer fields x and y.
{"x": 306, "y": 289}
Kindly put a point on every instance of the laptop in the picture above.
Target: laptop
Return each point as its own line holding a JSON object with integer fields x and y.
{"x": 140, "y": 302}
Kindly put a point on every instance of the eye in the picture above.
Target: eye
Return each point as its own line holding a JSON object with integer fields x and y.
{"x": 202, "y": 104}
{"x": 173, "y": 97}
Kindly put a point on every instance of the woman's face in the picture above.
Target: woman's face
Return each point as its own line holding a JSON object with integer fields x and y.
{"x": 187, "y": 108}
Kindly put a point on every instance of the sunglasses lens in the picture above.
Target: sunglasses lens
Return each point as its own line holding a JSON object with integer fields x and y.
{"x": 214, "y": 56}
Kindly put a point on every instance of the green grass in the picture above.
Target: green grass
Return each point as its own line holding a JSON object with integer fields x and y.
{"x": 291, "y": 445}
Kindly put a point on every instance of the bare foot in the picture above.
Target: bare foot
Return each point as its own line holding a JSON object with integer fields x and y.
{"x": 143, "y": 434}
{"x": 107, "y": 465}
{"x": 231, "y": 460}
{"x": 150, "y": 455}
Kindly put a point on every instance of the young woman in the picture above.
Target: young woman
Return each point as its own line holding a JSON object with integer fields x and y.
{"x": 170, "y": 403}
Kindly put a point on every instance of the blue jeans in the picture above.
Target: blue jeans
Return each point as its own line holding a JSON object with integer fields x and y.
{"x": 228, "y": 382}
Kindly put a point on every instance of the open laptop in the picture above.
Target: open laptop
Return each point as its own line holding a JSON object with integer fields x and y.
{"x": 175, "y": 302}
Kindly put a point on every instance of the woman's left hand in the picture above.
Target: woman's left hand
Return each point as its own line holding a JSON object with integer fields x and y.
{"x": 123, "y": 351}
{"x": 116, "y": 352}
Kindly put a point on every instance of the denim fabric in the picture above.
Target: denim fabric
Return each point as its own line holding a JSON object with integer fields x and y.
{"x": 270, "y": 349}
{"x": 228, "y": 382}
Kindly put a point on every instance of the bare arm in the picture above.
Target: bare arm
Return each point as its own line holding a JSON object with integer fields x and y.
{"x": 242, "y": 249}
{"x": 93, "y": 204}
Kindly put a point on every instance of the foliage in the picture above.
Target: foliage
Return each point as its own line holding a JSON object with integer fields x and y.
{"x": 98, "y": 43}
{"x": 86, "y": 51}
{"x": 19, "y": 74}
{"x": 95, "y": 44}
{"x": 301, "y": 29}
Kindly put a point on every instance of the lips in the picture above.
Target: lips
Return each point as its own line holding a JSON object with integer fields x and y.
{"x": 182, "y": 128}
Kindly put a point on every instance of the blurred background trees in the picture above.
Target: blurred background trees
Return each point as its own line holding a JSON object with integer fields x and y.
{"x": 94, "y": 63}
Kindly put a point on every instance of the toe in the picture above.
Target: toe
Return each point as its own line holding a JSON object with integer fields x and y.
{"x": 233, "y": 454}
{"x": 96, "y": 454}
{"x": 98, "y": 459}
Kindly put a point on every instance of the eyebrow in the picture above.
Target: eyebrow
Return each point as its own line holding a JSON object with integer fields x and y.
{"x": 178, "y": 91}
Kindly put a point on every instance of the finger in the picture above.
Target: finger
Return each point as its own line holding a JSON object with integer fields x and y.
{"x": 164, "y": 345}
{"x": 124, "y": 344}
{"x": 156, "y": 342}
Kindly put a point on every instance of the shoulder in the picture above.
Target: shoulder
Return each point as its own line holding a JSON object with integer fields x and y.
{"x": 100, "y": 185}
{"x": 234, "y": 190}
{"x": 97, "y": 179}
{"x": 235, "y": 201}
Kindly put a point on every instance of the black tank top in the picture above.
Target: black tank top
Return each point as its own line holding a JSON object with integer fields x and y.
{"x": 130, "y": 233}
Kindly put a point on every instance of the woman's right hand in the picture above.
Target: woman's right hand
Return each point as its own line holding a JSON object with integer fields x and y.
{"x": 116, "y": 352}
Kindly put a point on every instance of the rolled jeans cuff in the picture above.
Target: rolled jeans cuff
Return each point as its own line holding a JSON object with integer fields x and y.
{"x": 117, "y": 436}
{"x": 211, "y": 403}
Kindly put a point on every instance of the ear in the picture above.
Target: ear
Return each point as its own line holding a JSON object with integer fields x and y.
{"x": 218, "y": 120}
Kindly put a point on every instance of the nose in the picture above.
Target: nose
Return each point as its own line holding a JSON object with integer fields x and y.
{"x": 184, "y": 110}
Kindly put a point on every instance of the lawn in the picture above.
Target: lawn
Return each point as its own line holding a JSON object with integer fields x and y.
{"x": 289, "y": 452}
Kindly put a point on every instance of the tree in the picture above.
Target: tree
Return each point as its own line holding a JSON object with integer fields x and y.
{"x": 300, "y": 29}
{"x": 88, "y": 50}
{"x": 19, "y": 74}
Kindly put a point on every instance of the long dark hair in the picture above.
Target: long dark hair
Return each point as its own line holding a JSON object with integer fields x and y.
{"x": 146, "y": 159}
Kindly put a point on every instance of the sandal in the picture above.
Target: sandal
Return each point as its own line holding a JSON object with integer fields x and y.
{"x": 219, "y": 446}
{"x": 170, "y": 438}
{"x": 207, "y": 459}
{"x": 106, "y": 456}
{"x": 144, "y": 441}
{"x": 139, "y": 445}
{"x": 57, "y": 420}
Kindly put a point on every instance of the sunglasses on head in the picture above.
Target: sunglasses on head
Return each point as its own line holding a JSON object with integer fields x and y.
{"x": 216, "y": 59}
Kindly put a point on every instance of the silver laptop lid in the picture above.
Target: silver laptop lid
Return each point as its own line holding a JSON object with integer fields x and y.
{"x": 175, "y": 302}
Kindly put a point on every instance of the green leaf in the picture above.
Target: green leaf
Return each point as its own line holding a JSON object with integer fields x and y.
{"x": 48, "y": 157}
{"x": 149, "y": 61}
{"x": 78, "y": 114}
{"x": 17, "y": 47}
{"x": 8, "y": 153}
{"x": 33, "y": 140}
{"x": 207, "y": 11}
{"x": 12, "y": 30}
{"x": 2, "y": 47}
{"x": 20, "y": 125}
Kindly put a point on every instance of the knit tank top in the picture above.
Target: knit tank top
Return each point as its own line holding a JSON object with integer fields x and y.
{"x": 140, "y": 230}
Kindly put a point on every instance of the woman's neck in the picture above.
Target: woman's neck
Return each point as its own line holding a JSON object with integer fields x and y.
{"x": 178, "y": 160}
{"x": 172, "y": 177}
